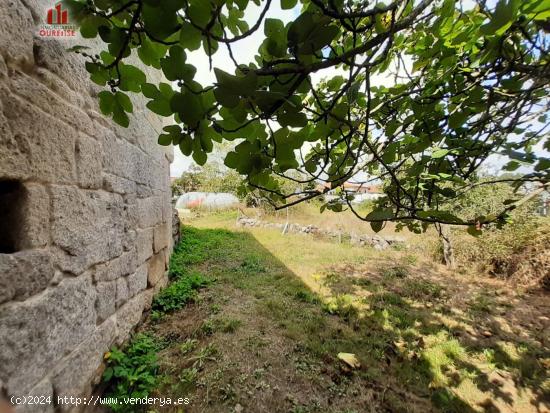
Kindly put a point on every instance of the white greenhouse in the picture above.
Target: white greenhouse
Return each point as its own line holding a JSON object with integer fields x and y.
{"x": 206, "y": 200}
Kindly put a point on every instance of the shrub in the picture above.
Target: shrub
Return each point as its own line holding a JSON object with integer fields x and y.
{"x": 495, "y": 249}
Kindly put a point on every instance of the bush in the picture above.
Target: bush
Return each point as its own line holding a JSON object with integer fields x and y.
{"x": 491, "y": 251}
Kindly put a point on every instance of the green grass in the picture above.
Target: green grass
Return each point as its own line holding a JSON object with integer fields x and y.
{"x": 440, "y": 354}
{"x": 296, "y": 295}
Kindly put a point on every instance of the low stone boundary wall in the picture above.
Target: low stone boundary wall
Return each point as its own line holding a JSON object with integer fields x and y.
{"x": 377, "y": 242}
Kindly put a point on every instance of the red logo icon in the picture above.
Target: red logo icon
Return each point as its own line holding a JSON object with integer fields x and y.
{"x": 57, "y": 23}
{"x": 57, "y": 15}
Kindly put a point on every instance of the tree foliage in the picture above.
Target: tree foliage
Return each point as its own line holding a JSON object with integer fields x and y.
{"x": 211, "y": 177}
{"x": 470, "y": 79}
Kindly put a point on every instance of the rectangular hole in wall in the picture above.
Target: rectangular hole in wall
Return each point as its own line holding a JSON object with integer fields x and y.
{"x": 12, "y": 198}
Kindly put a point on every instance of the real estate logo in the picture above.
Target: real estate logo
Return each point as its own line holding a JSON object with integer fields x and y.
{"x": 58, "y": 14}
{"x": 57, "y": 23}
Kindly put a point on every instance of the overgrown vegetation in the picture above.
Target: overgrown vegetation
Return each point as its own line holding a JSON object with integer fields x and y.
{"x": 281, "y": 309}
{"x": 132, "y": 371}
{"x": 177, "y": 294}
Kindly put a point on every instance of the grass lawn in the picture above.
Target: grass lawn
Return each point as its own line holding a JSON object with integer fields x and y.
{"x": 270, "y": 313}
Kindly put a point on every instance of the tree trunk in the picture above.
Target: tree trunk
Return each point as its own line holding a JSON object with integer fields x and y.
{"x": 444, "y": 232}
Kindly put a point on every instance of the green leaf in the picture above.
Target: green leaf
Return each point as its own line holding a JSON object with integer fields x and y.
{"x": 199, "y": 157}
{"x": 189, "y": 107}
{"x": 311, "y": 32}
{"x": 200, "y": 12}
{"x": 186, "y": 144}
{"x": 273, "y": 27}
{"x": 131, "y": 78}
{"x": 190, "y": 38}
{"x": 117, "y": 105}
{"x": 160, "y": 21}
{"x": 124, "y": 101}
{"x": 543, "y": 165}
{"x": 440, "y": 153}
{"x": 288, "y": 4}
{"x": 165, "y": 140}
{"x": 457, "y": 119}
{"x": 501, "y": 19}
{"x": 120, "y": 117}
{"x": 90, "y": 25}
{"x": 237, "y": 85}
{"x": 293, "y": 119}
{"x": 98, "y": 74}
{"x": 174, "y": 66}
{"x": 150, "y": 52}
{"x": 226, "y": 98}
{"x": 106, "y": 102}
{"x": 380, "y": 214}
{"x": 161, "y": 98}
{"x": 377, "y": 225}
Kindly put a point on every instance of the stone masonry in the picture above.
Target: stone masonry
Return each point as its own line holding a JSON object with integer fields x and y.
{"x": 85, "y": 215}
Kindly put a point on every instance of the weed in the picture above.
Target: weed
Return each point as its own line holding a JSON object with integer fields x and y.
{"x": 228, "y": 325}
{"x": 481, "y": 304}
{"x": 362, "y": 282}
{"x": 208, "y": 327}
{"x": 341, "y": 305}
{"x": 425, "y": 289}
{"x": 411, "y": 259}
{"x": 188, "y": 346}
{"x": 306, "y": 297}
{"x": 332, "y": 278}
{"x": 132, "y": 372}
{"x": 188, "y": 377}
{"x": 203, "y": 355}
{"x": 177, "y": 294}
{"x": 223, "y": 324}
{"x": 227, "y": 392}
{"x": 258, "y": 373}
{"x": 252, "y": 264}
{"x": 395, "y": 272}
{"x": 254, "y": 342}
{"x": 383, "y": 299}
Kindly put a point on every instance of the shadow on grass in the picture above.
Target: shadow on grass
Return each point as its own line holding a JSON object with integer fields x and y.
{"x": 411, "y": 360}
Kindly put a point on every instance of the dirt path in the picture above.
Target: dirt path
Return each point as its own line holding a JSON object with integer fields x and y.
{"x": 262, "y": 337}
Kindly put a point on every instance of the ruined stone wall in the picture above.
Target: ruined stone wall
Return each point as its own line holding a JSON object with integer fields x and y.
{"x": 85, "y": 215}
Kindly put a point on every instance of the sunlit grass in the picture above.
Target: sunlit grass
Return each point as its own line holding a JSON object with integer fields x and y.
{"x": 382, "y": 306}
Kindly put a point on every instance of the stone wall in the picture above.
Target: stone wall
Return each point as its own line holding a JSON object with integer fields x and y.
{"x": 85, "y": 215}
{"x": 377, "y": 242}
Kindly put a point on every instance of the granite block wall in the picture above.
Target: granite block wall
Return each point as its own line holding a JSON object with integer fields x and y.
{"x": 85, "y": 215}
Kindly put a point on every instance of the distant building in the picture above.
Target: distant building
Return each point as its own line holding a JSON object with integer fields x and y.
{"x": 360, "y": 191}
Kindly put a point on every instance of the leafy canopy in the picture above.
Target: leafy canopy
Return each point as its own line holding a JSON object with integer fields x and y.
{"x": 470, "y": 79}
